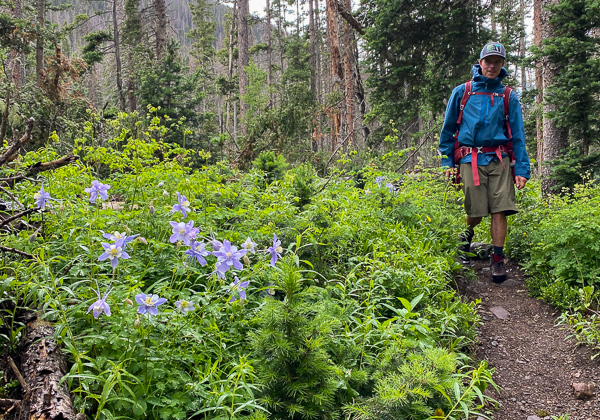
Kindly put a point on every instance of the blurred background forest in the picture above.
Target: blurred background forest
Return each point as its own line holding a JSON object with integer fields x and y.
{"x": 308, "y": 79}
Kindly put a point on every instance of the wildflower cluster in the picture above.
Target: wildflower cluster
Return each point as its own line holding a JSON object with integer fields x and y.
{"x": 228, "y": 257}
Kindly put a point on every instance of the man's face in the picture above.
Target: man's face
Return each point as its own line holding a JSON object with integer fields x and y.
{"x": 491, "y": 66}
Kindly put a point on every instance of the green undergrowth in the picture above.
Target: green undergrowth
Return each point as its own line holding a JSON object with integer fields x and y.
{"x": 558, "y": 242}
{"x": 356, "y": 317}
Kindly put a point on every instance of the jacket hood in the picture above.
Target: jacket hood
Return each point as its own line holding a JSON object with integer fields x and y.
{"x": 478, "y": 78}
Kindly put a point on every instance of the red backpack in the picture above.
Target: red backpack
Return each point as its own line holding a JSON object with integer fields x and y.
{"x": 462, "y": 151}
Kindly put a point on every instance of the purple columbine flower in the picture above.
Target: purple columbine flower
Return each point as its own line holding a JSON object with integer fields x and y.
{"x": 100, "y": 306}
{"x": 390, "y": 187}
{"x": 216, "y": 244}
{"x": 185, "y": 306}
{"x": 114, "y": 252}
{"x": 115, "y": 236}
{"x": 183, "y": 205}
{"x": 183, "y": 232}
{"x": 197, "y": 250}
{"x": 249, "y": 246}
{"x": 238, "y": 286}
{"x": 148, "y": 303}
{"x": 228, "y": 256}
{"x": 42, "y": 198}
{"x": 275, "y": 250}
{"x": 97, "y": 189}
{"x": 379, "y": 180}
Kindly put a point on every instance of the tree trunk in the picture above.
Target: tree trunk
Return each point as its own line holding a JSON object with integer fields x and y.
{"x": 42, "y": 367}
{"x": 18, "y": 69}
{"x": 160, "y": 11}
{"x": 336, "y": 67}
{"x": 522, "y": 46}
{"x": 39, "y": 45}
{"x": 118, "y": 56}
{"x": 539, "y": 81}
{"x": 311, "y": 43}
{"x": 360, "y": 96}
{"x": 230, "y": 63}
{"x": 555, "y": 137}
{"x": 243, "y": 59}
{"x": 269, "y": 54}
{"x": 348, "y": 79}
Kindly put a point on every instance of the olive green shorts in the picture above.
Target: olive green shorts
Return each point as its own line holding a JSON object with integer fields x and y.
{"x": 495, "y": 192}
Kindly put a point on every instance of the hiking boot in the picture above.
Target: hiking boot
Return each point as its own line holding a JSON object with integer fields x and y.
{"x": 463, "y": 253}
{"x": 498, "y": 269}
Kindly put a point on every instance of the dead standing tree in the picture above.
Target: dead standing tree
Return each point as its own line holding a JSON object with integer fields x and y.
{"x": 42, "y": 364}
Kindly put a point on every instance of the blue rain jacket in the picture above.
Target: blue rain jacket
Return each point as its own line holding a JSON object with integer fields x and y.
{"x": 483, "y": 125}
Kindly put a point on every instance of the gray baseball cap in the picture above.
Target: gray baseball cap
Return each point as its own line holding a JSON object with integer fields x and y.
{"x": 493, "y": 48}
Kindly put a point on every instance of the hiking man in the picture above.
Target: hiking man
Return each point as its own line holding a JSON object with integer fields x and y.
{"x": 486, "y": 117}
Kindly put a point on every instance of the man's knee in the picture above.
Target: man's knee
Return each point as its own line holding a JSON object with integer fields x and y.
{"x": 473, "y": 221}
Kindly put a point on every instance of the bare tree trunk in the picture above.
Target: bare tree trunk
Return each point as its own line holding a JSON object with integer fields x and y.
{"x": 360, "y": 95}
{"x": 555, "y": 137}
{"x": 336, "y": 67}
{"x": 280, "y": 30}
{"x": 348, "y": 79}
{"x": 311, "y": 40}
{"x": 539, "y": 81}
{"x": 118, "y": 56}
{"x": 269, "y": 54}
{"x": 160, "y": 11}
{"x": 319, "y": 42}
{"x": 522, "y": 45}
{"x": 230, "y": 63}
{"x": 243, "y": 59}
{"x": 43, "y": 366}
{"x": 18, "y": 69}
{"x": 39, "y": 45}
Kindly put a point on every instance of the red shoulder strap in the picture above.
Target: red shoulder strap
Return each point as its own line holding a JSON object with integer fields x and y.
{"x": 507, "y": 92}
{"x": 465, "y": 98}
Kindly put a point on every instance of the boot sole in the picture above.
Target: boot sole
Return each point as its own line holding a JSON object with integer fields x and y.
{"x": 499, "y": 279}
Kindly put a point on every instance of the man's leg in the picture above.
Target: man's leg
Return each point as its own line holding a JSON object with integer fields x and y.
{"x": 467, "y": 236}
{"x": 498, "y": 230}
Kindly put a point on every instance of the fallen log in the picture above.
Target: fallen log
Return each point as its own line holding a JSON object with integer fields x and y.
{"x": 42, "y": 367}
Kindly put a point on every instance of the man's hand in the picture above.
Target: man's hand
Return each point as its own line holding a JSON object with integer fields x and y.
{"x": 450, "y": 172}
{"x": 520, "y": 181}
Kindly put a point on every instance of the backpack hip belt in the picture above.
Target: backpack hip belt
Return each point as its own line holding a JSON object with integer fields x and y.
{"x": 460, "y": 152}
{"x": 463, "y": 151}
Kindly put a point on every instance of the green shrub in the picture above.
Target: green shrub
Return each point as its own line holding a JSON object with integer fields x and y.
{"x": 271, "y": 164}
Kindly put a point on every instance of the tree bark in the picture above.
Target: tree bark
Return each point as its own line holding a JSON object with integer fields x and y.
{"x": 160, "y": 11}
{"x": 539, "y": 81}
{"x": 43, "y": 366}
{"x": 39, "y": 44}
{"x": 118, "y": 56}
{"x": 243, "y": 59}
{"x": 555, "y": 137}
{"x": 337, "y": 73}
{"x": 18, "y": 69}
{"x": 230, "y": 63}
{"x": 348, "y": 80}
{"x": 269, "y": 54}
{"x": 311, "y": 43}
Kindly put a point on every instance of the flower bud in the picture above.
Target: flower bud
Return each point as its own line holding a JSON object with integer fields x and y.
{"x": 160, "y": 184}
{"x": 178, "y": 245}
{"x": 136, "y": 323}
{"x": 165, "y": 193}
{"x": 142, "y": 240}
{"x": 246, "y": 260}
{"x": 151, "y": 209}
{"x": 33, "y": 237}
{"x": 129, "y": 301}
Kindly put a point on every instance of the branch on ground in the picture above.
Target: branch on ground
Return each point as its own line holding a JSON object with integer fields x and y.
{"x": 16, "y": 251}
{"x": 14, "y": 149}
{"x": 50, "y": 166}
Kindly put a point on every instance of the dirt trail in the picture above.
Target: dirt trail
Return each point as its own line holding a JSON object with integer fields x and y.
{"x": 535, "y": 365}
